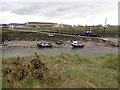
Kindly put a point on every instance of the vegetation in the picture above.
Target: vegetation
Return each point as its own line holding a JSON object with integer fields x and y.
{"x": 0, "y": 72}
{"x": 67, "y": 71}
{"x": 70, "y": 28}
{"x": 99, "y": 31}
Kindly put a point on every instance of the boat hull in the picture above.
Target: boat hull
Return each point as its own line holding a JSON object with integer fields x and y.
{"x": 88, "y": 32}
{"x": 77, "y": 45}
{"x": 43, "y": 45}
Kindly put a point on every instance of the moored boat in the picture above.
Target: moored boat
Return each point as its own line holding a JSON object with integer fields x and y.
{"x": 88, "y": 32}
{"x": 50, "y": 35}
{"x": 59, "y": 42}
{"x": 44, "y": 44}
{"x": 77, "y": 44}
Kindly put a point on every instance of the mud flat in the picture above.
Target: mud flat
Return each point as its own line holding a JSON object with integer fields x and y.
{"x": 33, "y": 44}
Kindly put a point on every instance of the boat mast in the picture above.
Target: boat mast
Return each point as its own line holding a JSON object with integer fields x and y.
{"x": 90, "y": 23}
{"x": 60, "y": 27}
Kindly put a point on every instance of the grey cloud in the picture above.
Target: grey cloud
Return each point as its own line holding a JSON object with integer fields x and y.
{"x": 31, "y": 8}
{"x": 57, "y": 9}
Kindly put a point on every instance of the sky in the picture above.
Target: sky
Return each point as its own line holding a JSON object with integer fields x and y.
{"x": 73, "y": 12}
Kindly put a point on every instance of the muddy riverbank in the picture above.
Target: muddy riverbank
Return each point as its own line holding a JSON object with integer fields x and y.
{"x": 26, "y": 44}
{"x": 18, "y": 38}
{"x": 33, "y": 44}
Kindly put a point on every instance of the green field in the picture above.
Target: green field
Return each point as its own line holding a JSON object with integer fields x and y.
{"x": 101, "y": 31}
{"x": 69, "y": 71}
{"x": 70, "y": 28}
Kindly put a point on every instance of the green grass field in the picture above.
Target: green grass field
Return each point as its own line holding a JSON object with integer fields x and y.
{"x": 101, "y": 31}
{"x": 70, "y": 28}
{"x": 73, "y": 71}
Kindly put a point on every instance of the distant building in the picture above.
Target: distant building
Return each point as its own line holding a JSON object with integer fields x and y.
{"x": 39, "y": 24}
{"x": 57, "y": 25}
{"x": 62, "y": 25}
{"x": 45, "y": 24}
{"x": 16, "y": 25}
{"x": 4, "y": 26}
{"x": 66, "y": 25}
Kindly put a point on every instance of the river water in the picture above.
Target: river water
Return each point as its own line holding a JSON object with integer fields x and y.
{"x": 96, "y": 51}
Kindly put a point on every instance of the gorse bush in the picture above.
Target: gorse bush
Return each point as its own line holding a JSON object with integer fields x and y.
{"x": 20, "y": 69}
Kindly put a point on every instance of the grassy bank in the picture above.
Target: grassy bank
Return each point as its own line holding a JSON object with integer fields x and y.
{"x": 101, "y": 31}
{"x": 74, "y": 30}
{"x": 69, "y": 71}
{"x": 70, "y": 28}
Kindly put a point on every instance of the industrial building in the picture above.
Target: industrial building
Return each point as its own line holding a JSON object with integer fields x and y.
{"x": 39, "y": 24}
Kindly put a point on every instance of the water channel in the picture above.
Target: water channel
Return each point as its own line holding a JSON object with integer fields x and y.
{"x": 96, "y": 51}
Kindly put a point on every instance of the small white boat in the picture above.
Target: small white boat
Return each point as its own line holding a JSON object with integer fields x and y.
{"x": 59, "y": 42}
{"x": 77, "y": 44}
{"x": 50, "y": 35}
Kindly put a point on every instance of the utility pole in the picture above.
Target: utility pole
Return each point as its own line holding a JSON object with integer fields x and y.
{"x": 105, "y": 25}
